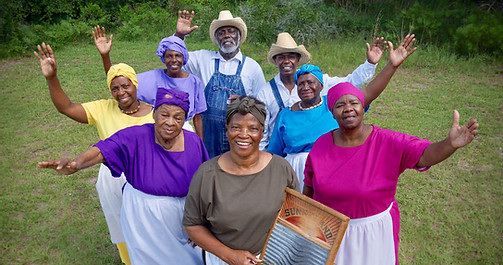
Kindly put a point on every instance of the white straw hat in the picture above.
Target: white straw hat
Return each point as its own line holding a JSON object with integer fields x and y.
{"x": 225, "y": 19}
{"x": 285, "y": 43}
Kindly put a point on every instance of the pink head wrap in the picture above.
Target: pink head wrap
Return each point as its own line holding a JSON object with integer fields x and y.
{"x": 342, "y": 89}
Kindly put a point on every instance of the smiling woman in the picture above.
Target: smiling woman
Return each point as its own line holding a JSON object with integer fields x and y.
{"x": 109, "y": 116}
{"x": 159, "y": 161}
{"x": 234, "y": 198}
{"x": 174, "y": 56}
{"x": 298, "y": 127}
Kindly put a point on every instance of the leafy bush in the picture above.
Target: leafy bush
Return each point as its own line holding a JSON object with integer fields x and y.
{"x": 482, "y": 33}
{"x": 465, "y": 26}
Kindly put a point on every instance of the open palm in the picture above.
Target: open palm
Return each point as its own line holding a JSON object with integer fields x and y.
{"x": 396, "y": 57}
{"x": 375, "y": 51}
{"x": 47, "y": 60}
{"x": 184, "y": 22}
{"x": 462, "y": 135}
{"x": 100, "y": 40}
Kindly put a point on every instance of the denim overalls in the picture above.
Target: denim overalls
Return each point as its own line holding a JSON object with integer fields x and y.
{"x": 217, "y": 91}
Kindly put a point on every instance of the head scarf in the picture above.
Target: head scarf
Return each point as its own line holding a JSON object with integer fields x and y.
{"x": 121, "y": 69}
{"x": 342, "y": 89}
{"x": 245, "y": 105}
{"x": 172, "y": 97}
{"x": 309, "y": 69}
{"x": 174, "y": 44}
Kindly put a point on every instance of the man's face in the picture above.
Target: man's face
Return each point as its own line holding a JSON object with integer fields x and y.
{"x": 228, "y": 39}
{"x": 287, "y": 62}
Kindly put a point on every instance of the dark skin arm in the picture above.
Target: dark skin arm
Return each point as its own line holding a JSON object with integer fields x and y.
{"x": 396, "y": 58}
{"x": 60, "y": 100}
{"x": 206, "y": 240}
{"x": 90, "y": 157}
{"x": 198, "y": 125}
{"x": 103, "y": 46}
{"x": 458, "y": 137}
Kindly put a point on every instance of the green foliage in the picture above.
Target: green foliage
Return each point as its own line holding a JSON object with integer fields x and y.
{"x": 466, "y": 27}
{"x": 482, "y": 32}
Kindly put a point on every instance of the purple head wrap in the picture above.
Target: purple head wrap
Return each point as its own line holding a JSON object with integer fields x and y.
{"x": 172, "y": 43}
{"x": 172, "y": 97}
{"x": 309, "y": 69}
{"x": 342, "y": 89}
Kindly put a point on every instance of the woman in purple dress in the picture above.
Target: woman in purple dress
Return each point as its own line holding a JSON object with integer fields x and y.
{"x": 355, "y": 170}
{"x": 159, "y": 161}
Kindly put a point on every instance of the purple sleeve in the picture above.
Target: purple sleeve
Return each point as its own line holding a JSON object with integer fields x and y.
{"x": 147, "y": 87}
{"x": 114, "y": 150}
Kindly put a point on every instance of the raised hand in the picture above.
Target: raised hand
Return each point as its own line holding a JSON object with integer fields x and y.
{"x": 63, "y": 166}
{"x": 47, "y": 60}
{"x": 100, "y": 40}
{"x": 183, "y": 24}
{"x": 375, "y": 52}
{"x": 460, "y": 136}
{"x": 396, "y": 57}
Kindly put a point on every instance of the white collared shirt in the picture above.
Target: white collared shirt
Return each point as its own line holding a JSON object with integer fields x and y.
{"x": 360, "y": 76}
{"x": 202, "y": 64}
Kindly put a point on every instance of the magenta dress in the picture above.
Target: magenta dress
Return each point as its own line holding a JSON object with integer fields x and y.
{"x": 361, "y": 181}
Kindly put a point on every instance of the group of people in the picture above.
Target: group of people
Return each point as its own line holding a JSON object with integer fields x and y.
{"x": 193, "y": 167}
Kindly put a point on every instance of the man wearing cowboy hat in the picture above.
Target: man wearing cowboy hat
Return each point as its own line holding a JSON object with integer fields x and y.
{"x": 281, "y": 91}
{"x": 225, "y": 74}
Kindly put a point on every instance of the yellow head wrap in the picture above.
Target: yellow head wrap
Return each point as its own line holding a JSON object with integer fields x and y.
{"x": 122, "y": 69}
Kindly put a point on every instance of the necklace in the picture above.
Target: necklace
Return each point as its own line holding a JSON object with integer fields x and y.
{"x": 312, "y": 107}
{"x": 129, "y": 112}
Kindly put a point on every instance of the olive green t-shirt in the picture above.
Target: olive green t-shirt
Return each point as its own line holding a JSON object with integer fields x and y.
{"x": 238, "y": 209}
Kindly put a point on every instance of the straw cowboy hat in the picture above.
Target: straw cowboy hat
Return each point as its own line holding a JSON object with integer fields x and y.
{"x": 225, "y": 19}
{"x": 285, "y": 43}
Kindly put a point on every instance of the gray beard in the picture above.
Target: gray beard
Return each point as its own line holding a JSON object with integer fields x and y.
{"x": 231, "y": 49}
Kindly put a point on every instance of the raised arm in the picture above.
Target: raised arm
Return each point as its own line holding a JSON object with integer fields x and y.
{"x": 458, "y": 137}
{"x": 183, "y": 24}
{"x": 90, "y": 157}
{"x": 103, "y": 46}
{"x": 207, "y": 241}
{"x": 47, "y": 61}
{"x": 396, "y": 58}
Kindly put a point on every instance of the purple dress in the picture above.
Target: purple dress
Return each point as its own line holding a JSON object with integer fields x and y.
{"x": 148, "y": 82}
{"x": 361, "y": 181}
{"x": 149, "y": 167}
{"x": 154, "y": 195}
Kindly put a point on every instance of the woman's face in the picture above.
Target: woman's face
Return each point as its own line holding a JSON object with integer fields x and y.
{"x": 348, "y": 111}
{"x": 244, "y": 133}
{"x": 173, "y": 61}
{"x": 169, "y": 120}
{"x": 308, "y": 89}
{"x": 124, "y": 92}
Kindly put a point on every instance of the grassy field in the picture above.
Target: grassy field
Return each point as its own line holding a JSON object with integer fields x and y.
{"x": 451, "y": 214}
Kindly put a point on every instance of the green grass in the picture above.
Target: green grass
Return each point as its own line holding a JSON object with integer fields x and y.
{"x": 450, "y": 214}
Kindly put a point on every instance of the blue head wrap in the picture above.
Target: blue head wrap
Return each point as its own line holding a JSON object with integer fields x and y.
{"x": 174, "y": 44}
{"x": 309, "y": 69}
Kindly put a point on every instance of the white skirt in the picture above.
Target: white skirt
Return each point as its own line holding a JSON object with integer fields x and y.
{"x": 298, "y": 163}
{"x": 152, "y": 227}
{"x": 110, "y": 194}
{"x": 368, "y": 240}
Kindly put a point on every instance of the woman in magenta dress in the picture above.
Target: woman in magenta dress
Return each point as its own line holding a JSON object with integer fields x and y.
{"x": 355, "y": 169}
